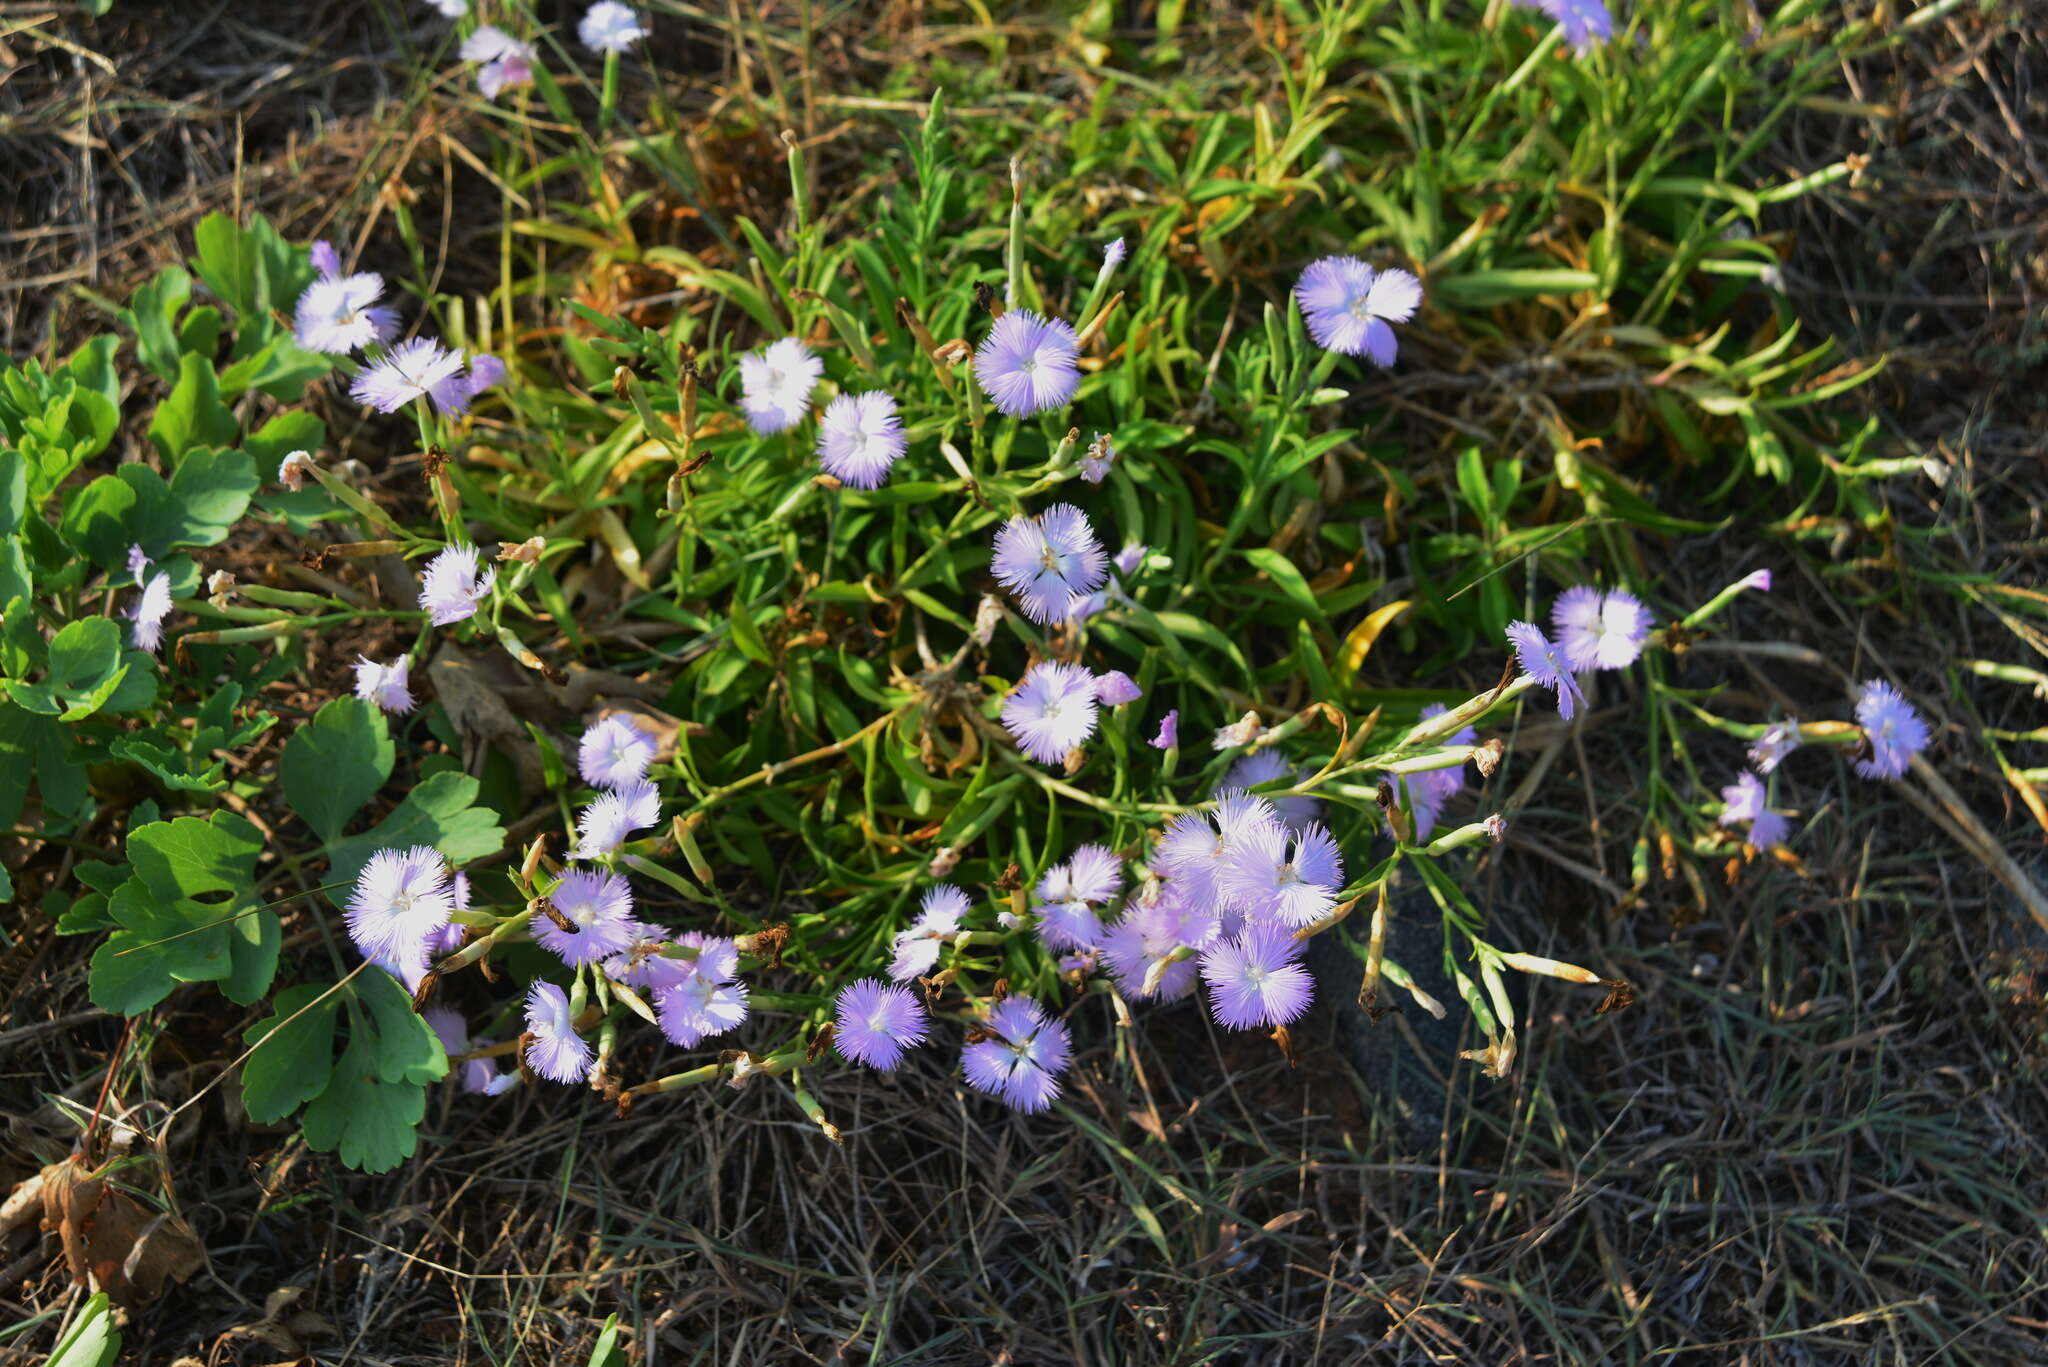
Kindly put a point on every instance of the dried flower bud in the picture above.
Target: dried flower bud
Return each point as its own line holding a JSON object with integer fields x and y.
{"x": 1243, "y": 731}
{"x": 1496, "y": 827}
{"x": 1488, "y": 756}
{"x": 988, "y": 615}
{"x": 525, "y": 552}
{"x": 220, "y": 586}
{"x": 943, "y": 861}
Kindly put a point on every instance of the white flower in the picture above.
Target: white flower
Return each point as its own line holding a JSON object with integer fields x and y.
{"x": 609, "y": 26}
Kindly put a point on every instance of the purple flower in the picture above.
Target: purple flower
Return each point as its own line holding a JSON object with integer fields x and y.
{"x": 1028, "y": 364}
{"x": 615, "y": 752}
{"x": 1778, "y": 740}
{"x": 609, "y": 26}
{"x": 454, "y": 394}
{"x": 1051, "y": 711}
{"x": 450, "y": 937}
{"x": 776, "y": 385}
{"x": 451, "y": 588}
{"x": 1022, "y": 1058}
{"x": 148, "y": 611}
{"x": 553, "y": 1048}
{"x": 1114, "y": 688}
{"x": 876, "y": 1023}
{"x": 1199, "y": 847}
{"x": 478, "y": 1075}
{"x": 859, "y": 438}
{"x": 1894, "y": 731}
{"x": 1257, "y": 979}
{"x": 1348, "y": 306}
{"x": 1048, "y": 561}
{"x": 600, "y": 907}
{"x": 1275, "y": 874}
{"x": 917, "y": 948}
{"x": 1169, "y": 732}
{"x": 293, "y": 469}
{"x": 1743, "y": 800}
{"x": 699, "y": 1007}
{"x": 137, "y": 563}
{"x": 507, "y": 62}
{"x": 1544, "y": 663}
{"x": 338, "y": 314}
{"x": 1066, "y": 896}
{"x": 1600, "y": 631}
{"x": 401, "y": 898}
{"x": 411, "y": 370}
{"x": 1149, "y": 933}
{"x": 384, "y": 685}
{"x": 1263, "y": 766}
{"x": 604, "y": 825}
{"x": 1429, "y": 790}
{"x": 1128, "y": 559}
{"x": 1101, "y": 455}
{"x": 1759, "y": 580}
{"x": 324, "y": 259}
{"x": 1586, "y": 23}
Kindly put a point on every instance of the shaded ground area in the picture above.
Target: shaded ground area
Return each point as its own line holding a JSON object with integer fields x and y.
{"x": 1815, "y": 1138}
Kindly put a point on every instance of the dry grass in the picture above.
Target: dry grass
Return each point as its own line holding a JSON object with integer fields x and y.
{"x": 1816, "y": 1138}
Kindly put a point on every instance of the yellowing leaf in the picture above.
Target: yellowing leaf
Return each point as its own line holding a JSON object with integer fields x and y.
{"x": 1360, "y": 642}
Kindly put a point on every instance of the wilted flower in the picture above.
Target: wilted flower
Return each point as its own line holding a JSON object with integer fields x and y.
{"x": 401, "y": 898}
{"x": 604, "y": 825}
{"x": 451, "y": 589}
{"x": 1256, "y": 979}
{"x": 1128, "y": 559}
{"x": 1894, "y": 730}
{"x": 1263, "y": 766}
{"x": 859, "y": 438}
{"x": 1544, "y": 663}
{"x": 917, "y": 948}
{"x": 1778, "y": 740}
{"x": 609, "y": 26}
{"x": 1051, "y": 711}
{"x": 411, "y": 370}
{"x": 1023, "y": 1056}
{"x": 876, "y": 1022}
{"x": 220, "y": 587}
{"x": 614, "y": 753}
{"x": 1169, "y": 732}
{"x": 148, "y": 611}
{"x": 293, "y": 469}
{"x": 1243, "y": 731}
{"x": 1348, "y": 306}
{"x": 1586, "y": 23}
{"x": 1114, "y": 688}
{"x": 1101, "y": 455}
{"x": 1274, "y": 873}
{"x": 137, "y": 563}
{"x": 478, "y": 1075}
{"x": 385, "y": 685}
{"x": 553, "y": 1048}
{"x": 525, "y": 552}
{"x": 1758, "y": 580}
{"x": 776, "y": 385}
{"x": 1028, "y": 364}
{"x": 1048, "y": 561}
{"x": 338, "y": 314}
{"x": 1600, "y": 631}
